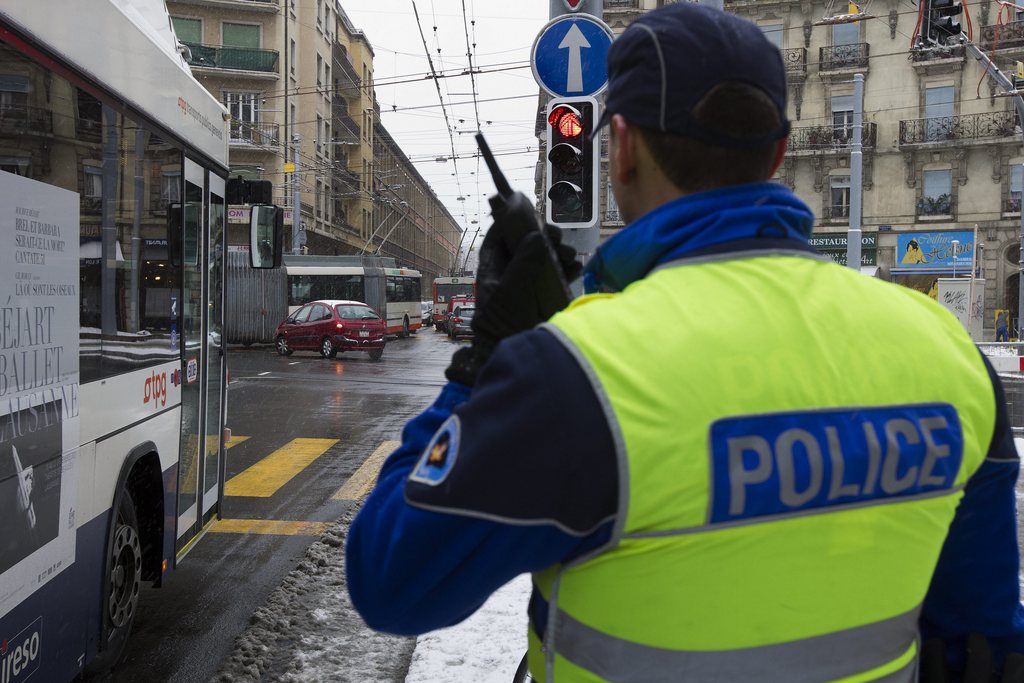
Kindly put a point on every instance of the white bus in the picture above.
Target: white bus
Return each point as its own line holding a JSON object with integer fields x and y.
{"x": 444, "y": 289}
{"x": 113, "y": 161}
{"x": 391, "y": 291}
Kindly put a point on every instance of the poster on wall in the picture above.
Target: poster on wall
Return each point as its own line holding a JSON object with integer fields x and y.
{"x": 949, "y": 250}
{"x": 39, "y": 375}
{"x": 965, "y": 301}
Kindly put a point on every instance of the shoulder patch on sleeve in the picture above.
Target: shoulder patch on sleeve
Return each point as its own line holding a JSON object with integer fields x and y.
{"x": 439, "y": 457}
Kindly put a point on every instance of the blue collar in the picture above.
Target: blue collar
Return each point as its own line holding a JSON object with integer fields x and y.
{"x": 696, "y": 222}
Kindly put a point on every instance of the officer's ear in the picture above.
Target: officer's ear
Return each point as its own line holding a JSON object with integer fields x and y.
{"x": 622, "y": 142}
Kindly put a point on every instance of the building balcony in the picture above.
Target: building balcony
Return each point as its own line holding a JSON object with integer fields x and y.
{"x": 842, "y": 57}
{"x": 795, "y": 60}
{"x": 958, "y": 129}
{"x": 270, "y": 6}
{"x": 346, "y": 130}
{"x": 261, "y": 134}
{"x": 937, "y": 52}
{"x": 232, "y": 58}
{"x": 1006, "y": 37}
{"x": 839, "y": 212}
{"x": 24, "y": 119}
{"x": 621, "y": 4}
{"x": 942, "y": 206}
{"x": 817, "y": 139}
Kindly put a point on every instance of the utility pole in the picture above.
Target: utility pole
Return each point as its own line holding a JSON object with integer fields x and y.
{"x": 856, "y": 166}
{"x": 296, "y": 205}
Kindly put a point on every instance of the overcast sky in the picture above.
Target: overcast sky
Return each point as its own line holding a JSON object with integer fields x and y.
{"x": 503, "y": 33}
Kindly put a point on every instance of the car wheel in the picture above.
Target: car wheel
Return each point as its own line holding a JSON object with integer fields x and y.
{"x": 282, "y": 346}
{"x": 121, "y": 593}
{"x": 327, "y": 349}
{"x": 375, "y": 354}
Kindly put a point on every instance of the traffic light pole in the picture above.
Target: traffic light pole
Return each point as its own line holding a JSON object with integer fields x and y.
{"x": 1018, "y": 102}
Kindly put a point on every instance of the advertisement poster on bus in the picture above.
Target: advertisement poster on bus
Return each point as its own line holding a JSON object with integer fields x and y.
{"x": 39, "y": 377}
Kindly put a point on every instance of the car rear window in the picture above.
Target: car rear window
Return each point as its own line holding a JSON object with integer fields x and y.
{"x": 466, "y": 312}
{"x": 356, "y": 313}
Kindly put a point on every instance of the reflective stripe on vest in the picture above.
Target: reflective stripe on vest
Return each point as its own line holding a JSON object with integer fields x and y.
{"x": 826, "y": 657}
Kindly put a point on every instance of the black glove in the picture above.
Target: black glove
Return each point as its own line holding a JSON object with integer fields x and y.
{"x": 977, "y": 666}
{"x": 515, "y": 292}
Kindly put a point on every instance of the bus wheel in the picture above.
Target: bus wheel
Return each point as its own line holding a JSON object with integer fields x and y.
{"x": 327, "y": 349}
{"x": 121, "y": 593}
{"x": 282, "y": 346}
{"x": 405, "y": 328}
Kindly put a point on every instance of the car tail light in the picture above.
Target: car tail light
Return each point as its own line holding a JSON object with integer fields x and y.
{"x": 457, "y": 321}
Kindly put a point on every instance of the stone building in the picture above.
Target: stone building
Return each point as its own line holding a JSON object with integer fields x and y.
{"x": 941, "y": 149}
{"x": 297, "y": 79}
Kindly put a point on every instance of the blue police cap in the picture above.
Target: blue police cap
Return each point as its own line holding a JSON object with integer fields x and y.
{"x": 670, "y": 58}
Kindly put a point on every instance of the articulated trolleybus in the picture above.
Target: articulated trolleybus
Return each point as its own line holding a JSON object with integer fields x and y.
{"x": 444, "y": 289}
{"x": 391, "y": 291}
{"x": 113, "y": 166}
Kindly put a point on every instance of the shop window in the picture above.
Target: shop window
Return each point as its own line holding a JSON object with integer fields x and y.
{"x": 936, "y": 199}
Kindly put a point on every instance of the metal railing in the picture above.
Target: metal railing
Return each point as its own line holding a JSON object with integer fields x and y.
{"x": 254, "y": 133}
{"x": 1005, "y": 358}
{"x": 843, "y": 57}
{"x": 997, "y": 124}
{"x": 819, "y": 138}
{"x": 795, "y": 60}
{"x": 924, "y": 54}
{"x": 1009, "y": 35}
{"x": 943, "y": 205}
{"x": 235, "y": 58}
{"x": 839, "y": 211}
{"x": 1011, "y": 205}
{"x": 38, "y": 119}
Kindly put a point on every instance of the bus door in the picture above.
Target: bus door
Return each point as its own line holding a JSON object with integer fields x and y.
{"x": 203, "y": 363}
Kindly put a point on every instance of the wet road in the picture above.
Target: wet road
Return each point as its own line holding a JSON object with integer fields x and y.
{"x": 305, "y": 424}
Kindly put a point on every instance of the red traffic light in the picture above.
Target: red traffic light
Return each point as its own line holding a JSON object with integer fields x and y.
{"x": 566, "y": 120}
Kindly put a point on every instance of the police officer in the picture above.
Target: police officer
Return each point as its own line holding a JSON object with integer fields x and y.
{"x": 735, "y": 460}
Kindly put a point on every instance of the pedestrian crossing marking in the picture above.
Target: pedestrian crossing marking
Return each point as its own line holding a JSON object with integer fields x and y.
{"x": 360, "y": 483}
{"x": 263, "y": 479}
{"x": 235, "y": 440}
{"x": 269, "y": 527}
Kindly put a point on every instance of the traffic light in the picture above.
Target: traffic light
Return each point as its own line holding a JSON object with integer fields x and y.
{"x": 572, "y": 163}
{"x": 942, "y": 25}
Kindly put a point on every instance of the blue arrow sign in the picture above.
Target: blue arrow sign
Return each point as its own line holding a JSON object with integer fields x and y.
{"x": 570, "y": 55}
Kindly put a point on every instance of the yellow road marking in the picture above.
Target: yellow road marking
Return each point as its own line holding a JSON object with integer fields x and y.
{"x": 235, "y": 440}
{"x": 360, "y": 483}
{"x": 264, "y": 478}
{"x": 270, "y": 527}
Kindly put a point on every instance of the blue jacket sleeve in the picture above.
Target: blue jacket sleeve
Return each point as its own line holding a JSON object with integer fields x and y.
{"x": 421, "y": 556}
{"x": 975, "y": 587}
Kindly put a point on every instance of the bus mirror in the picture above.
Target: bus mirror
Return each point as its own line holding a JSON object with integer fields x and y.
{"x": 266, "y": 236}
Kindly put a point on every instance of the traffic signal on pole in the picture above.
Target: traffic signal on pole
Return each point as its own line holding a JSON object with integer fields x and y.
{"x": 572, "y": 163}
{"x": 942, "y": 25}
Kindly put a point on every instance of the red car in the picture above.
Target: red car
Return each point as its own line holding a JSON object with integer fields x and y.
{"x": 330, "y": 327}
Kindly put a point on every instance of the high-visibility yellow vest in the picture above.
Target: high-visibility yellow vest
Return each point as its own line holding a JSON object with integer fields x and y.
{"x": 793, "y": 439}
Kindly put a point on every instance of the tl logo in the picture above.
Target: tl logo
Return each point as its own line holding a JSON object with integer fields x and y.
{"x": 572, "y": 5}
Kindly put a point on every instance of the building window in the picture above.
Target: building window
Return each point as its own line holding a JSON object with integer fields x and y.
{"x": 774, "y": 33}
{"x": 319, "y": 132}
{"x": 240, "y": 35}
{"x": 14, "y": 91}
{"x": 92, "y": 191}
{"x": 611, "y": 206}
{"x": 291, "y": 60}
{"x": 936, "y": 199}
{"x": 319, "y": 6}
{"x": 938, "y": 109}
{"x": 188, "y": 30}
{"x": 845, "y": 34}
{"x": 842, "y": 120}
{"x": 245, "y": 114}
{"x": 170, "y": 188}
{"x": 1016, "y": 182}
{"x": 319, "y": 72}
{"x": 18, "y": 165}
{"x": 839, "y": 195}
{"x": 319, "y": 197}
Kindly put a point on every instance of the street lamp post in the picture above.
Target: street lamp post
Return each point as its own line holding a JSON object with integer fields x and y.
{"x": 955, "y": 243}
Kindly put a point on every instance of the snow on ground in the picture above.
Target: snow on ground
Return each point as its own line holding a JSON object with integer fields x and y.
{"x": 308, "y": 631}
